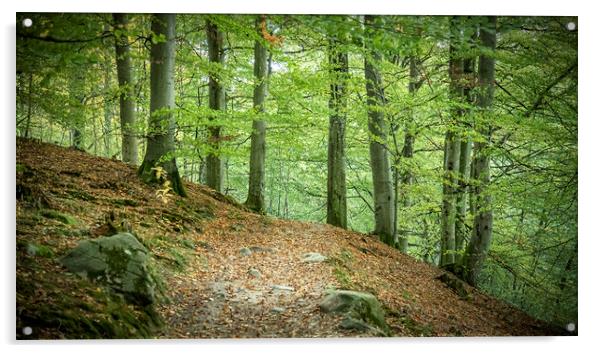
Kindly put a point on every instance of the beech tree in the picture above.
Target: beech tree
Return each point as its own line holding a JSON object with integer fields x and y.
{"x": 127, "y": 103}
{"x": 338, "y": 65}
{"x": 217, "y": 102}
{"x": 483, "y": 220}
{"x": 160, "y": 145}
{"x": 256, "y": 197}
{"x": 379, "y": 158}
{"x": 451, "y": 157}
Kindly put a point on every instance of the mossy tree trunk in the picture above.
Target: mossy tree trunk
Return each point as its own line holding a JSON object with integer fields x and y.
{"x": 217, "y": 102}
{"x": 256, "y": 197}
{"x": 160, "y": 137}
{"x": 127, "y": 103}
{"x": 336, "y": 210}
{"x": 477, "y": 249}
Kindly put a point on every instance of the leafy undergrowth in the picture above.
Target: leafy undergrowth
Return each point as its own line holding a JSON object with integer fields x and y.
{"x": 226, "y": 272}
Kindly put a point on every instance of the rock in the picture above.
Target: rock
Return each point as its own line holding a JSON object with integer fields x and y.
{"x": 245, "y": 251}
{"x": 313, "y": 257}
{"x": 283, "y": 288}
{"x": 254, "y": 272}
{"x": 278, "y": 309}
{"x": 119, "y": 262}
{"x": 362, "y": 311}
{"x": 260, "y": 249}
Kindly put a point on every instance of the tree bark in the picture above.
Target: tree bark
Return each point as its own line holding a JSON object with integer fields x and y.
{"x": 160, "y": 141}
{"x": 451, "y": 158}
{"x": 256, "y": 197}
{"x": 217, "y": 102}
{"x": 106, "y": 125}
{"x": 465, "y": 157}
{"x": 478, "y": 246}
{"x": 408, "y": 153}
{"x": 336, "y": 210}
{"x": 29, "y": 104}
{"x": 379, "y": 159}
{"x": 127, "y": 102}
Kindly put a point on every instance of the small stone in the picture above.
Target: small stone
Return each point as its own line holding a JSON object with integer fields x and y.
{"x": 278, "y": 309}
{"x": 314, "y": 257}
{"x": 245, "y": 251}
{"x": 254, "y": 272}
{"x": 283, "y": 288}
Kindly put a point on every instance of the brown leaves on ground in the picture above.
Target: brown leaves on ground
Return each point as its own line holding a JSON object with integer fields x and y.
{"x": 264, "y": 291}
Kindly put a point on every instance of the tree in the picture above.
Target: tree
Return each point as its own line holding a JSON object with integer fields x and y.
{"x": 451, "y": 159}
{"x": 127, "y": 103}
{"x": 336, "y": 205}
{"x": 379, "y": 158}
{"x": 407, "y": 153}
{"x": 255, "y": 197}
{"x": 478, "y": 246}
{"x": 464, "y": 167}
{"x": 217, "y": 102}
{"x": 160, "y": 145}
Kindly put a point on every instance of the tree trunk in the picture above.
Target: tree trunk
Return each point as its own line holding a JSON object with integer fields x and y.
{"x": 465, "y": 159}
{"x": 478, "y": 246}
{"x": 217, "y": 101}
{"x": 77, "y": 109}
{"x": 127, "y": 102}
{"x": 452, "y": 146}
{"x": 160, "y": 141}
{"x": 256, "y": 197}
{"x": 379, "y": 159}
{"x": 336, "y": 209}
{"x": 408, "y": 153}
{"x": 29, "y": 103}
{"x": 106, "y": 125}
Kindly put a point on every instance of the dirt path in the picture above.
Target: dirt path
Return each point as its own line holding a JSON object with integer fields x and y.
{"x": 249, "y": 285}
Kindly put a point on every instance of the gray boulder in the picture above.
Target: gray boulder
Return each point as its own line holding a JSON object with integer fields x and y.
{"x": 119, "y": 262}
{"x": 362, "y": 311}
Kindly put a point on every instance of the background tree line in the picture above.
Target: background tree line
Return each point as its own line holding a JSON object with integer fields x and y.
{"x": 453, "y": 139}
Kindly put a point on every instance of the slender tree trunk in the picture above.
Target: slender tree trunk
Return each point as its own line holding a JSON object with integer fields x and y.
{"x": 77, "y": 139}
{"x": 217, "y": 102}
{"x": 29, "y": 103}
{"x": 379, "y": 159}
{"x": 478, "y": 246}
{"x": 127, "y": 102}
{"x": 408, "y": 153}
{"x": 77, "y": 109}
{"x": 336, "y": 205}
{"x": 108, "y": 117}
{"x": 465, "y": 160}
{"x": 160, "y": 141}
{"x": 452, "y": 149}
{"x": 256, "y": 197}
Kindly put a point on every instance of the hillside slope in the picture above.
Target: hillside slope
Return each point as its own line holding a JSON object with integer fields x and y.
{"x": 227, "y": 272}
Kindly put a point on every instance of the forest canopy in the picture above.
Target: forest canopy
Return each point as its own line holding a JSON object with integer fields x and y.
{"x": 451, "y": 138}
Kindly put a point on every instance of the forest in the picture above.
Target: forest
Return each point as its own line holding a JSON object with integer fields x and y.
{"x": 444, "y": 146}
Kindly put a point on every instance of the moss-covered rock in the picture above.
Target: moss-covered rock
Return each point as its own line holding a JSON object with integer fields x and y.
{"x": 120, "y": 262}
{"x": 362, "y": 311}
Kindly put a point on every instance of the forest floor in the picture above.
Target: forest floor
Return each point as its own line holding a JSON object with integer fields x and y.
{"x": 228, "y": 272}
